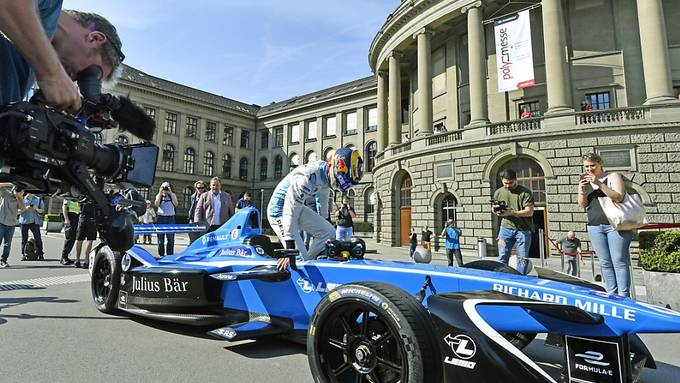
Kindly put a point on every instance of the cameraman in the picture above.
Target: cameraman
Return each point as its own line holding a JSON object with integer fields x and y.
{"x": 517, "y": 219}
{"x": 166, "y": 201}
{"x": 54, "y": 46}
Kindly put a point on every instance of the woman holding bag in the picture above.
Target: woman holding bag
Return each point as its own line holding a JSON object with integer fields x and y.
{"x": 610, "y": 245}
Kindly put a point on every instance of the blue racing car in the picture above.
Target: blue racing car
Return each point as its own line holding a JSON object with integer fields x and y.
{"x": 381, "y": 321}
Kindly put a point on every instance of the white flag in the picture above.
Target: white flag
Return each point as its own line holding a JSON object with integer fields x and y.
{"x": 514, "y": 58}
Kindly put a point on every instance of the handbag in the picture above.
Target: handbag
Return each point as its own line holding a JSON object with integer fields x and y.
{"x": 626, "y": 215}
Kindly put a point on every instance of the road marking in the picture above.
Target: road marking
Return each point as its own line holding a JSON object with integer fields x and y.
{"x": 27, "y": 284}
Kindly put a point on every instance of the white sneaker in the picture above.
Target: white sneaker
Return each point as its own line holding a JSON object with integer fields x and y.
{"x": 3, "y": 264}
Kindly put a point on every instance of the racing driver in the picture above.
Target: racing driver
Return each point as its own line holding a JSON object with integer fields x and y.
{"x": 287, "y": 213}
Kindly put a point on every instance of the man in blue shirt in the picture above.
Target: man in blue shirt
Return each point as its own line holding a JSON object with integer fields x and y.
{"x": 245, "y": 201}
{"x": 52, "y": 47}
{"x": 452, "y": 233}
{"x": 31, "y": 219}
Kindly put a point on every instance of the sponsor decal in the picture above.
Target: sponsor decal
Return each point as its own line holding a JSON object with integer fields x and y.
{"x": 464, "y": 348}
{"x": 122, "y": 299}
{"x": 308, "y": 286}
{"x": 226, "y": 332}
{"x": 356, "y": 291}
{"x": 165, "y": 285}
{"x": 605, "y": 309}
{"x": 234, "y": 234}
{"x": 126, "y": 262}
{"x": 333, "y": 296}
{"x": 237, "y": 251}
{"x": 593, "y": 360}
{"x": 259, "y": 250}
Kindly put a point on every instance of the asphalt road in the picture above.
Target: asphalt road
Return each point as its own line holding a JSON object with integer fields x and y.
{"x": 51, "y": 332}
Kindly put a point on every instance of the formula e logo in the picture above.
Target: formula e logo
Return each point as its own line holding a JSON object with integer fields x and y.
{"x": 464, "y": 348}
{"x": 308, "y": 287}
{"x": 593, "y": 357}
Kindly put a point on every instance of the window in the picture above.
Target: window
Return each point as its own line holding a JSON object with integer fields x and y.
{"x": 326, "y": 152}
{"x": 210, "y": 131}
{"x": 192, "y": 127}
{"x": 151, "y": 112}
{"x": 278, "y": 167}
{"x": 351, "y": 146}
{"x": 405, "y": 192}
{"x": 598, "y": 100}
{"x": 369, "y": 204}
{"x": 372, "y": 119}
{"x": 351, "y": 123}
{"x": 264, "y": 139}
{"x": 294, "y": 160}
{"x": 371, "y": 151}
{"x": 448, "y": 209}
{"x": 189, "y": 160}
{"x": 226, "y": 166}
{"x": 121, "y": 140}
{"x": 245, "y": 139}
{"x": 529, "y": 174}
{"x": 278, "y": 137}
{"x": 331, "y": 126}
{"x": 170, "y": 123}
{"x": 169, "y": 158}
{"x": 243, "y": 169}
{"x": 144, "y": 192}
{"x": 311, "y": 156}
{"x": 295, "y": 133}
{"x": 98, "y": 138}
{"x": 228, "y": 136}
{"x": 311, "y": 130}
{"x": 532, "y": 106}
{"x": 263, "y": 169}
{"x": 209, "y": 164}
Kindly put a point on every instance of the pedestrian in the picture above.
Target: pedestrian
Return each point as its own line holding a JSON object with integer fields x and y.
{"x": 11, "y": 203}
{"x": 515, "y": 205}
{"x": 612, "y": 247}
{"x": 166, "y": 202}
{"x": 452, "y": 233}
{"x": 525, "y": 113}
{"x": 31, "y": 220}
{"x": 344, "y": 220}
{"x": 86, "y": 232}
{"x": 413, "y": 242}
{"x": 199, "y": 186}
{"x": 570, "y": 246}
{"x": 426, "y": 237}
{"x": 245, "y": 201}
{"x": 71, "y": 212}
{"x": 149, "y": 217}
{"x": 214, "y": 207}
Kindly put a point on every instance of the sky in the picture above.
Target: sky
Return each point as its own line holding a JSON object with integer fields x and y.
{"x": 256, "y": 51}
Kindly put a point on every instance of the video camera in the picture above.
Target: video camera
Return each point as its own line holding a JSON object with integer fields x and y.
{"x": 499, "y": 206}
{"x": 49, "y": 152}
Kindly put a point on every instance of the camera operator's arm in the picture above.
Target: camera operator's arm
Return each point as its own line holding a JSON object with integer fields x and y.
{"x": 40, "y": 208}
{"x": 173, "y": 199}
{"x": 159, "y": 197}
{"x": 19, "y": 21}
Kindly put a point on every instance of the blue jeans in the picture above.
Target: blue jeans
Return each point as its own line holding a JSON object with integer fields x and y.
{"x": 507, "y": 239}
{"x": 612, "y": 250}
{"x": 161, "y": 237}
{"x": 6, "y": 234}
{"x": 34, "y": 228}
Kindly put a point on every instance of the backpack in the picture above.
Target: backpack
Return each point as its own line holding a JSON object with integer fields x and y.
{"x": 30, "y": 251}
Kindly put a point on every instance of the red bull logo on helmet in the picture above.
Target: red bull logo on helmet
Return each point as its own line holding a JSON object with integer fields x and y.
{"x": 340, "y": 165}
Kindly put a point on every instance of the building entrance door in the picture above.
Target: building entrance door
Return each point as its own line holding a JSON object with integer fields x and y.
{"x": 405, "y": 224}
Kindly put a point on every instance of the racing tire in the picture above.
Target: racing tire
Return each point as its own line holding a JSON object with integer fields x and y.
{"x": 517, "y": 339}
{"x": 372, "y": 332}
{"x": 105, "y": 282}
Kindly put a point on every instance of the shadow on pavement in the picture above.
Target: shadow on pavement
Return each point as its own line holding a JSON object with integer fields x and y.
{"x": 267, "y": 347}
{"x": 179, "y": 329}
{"x": 664, "y": 373}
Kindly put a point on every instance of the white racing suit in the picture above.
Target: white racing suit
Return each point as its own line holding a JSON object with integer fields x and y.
{"x": 287, "y": 213}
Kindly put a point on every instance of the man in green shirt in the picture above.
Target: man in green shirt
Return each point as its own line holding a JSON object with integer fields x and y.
{"x": 517, "y": 219}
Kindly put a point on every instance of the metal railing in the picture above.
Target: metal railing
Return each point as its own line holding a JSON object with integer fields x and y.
{"x": 515, "y": 126}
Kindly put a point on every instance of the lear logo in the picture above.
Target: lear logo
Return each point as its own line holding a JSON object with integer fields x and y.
{"x": 307, "y": 286}
{"x": 461, "y": 345}
{"x": 593, "y": 357}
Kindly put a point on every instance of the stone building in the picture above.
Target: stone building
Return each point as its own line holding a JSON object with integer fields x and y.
{"x": 435, "y": 81}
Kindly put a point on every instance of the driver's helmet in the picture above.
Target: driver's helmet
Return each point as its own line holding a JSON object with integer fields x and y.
{"x": 345, "y": 168}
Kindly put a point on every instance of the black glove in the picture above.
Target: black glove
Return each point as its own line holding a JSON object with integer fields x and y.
{"x": 290, "y": 244}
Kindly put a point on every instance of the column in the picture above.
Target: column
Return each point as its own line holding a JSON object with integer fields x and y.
{"x": 556, "y": 68}
{"x": 423, "y": 37}
{"x": 394, "y": 99}
{"x": 382, "y": 110}
{"x": 655, "y": 61}
{"x": 477, "y": 64}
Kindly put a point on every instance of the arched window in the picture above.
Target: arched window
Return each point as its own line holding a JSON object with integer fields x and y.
{"x": 263, "y": 169}
{"x": 226, "y": 166}
{"x": 121, "y": 140}
{"x": 169, "y": 158}
{"x": 369, "y": 204}
{"x": 405, "y": 192}
{"x": 188, "y": 191}
{"x": 209, "y": 164}
{"x": 351, "y": 146}
{"x": 311, "y": 156}
{"x": 189, "y": 160}
{"x": 278, "y": 167}
{"x": 371, "y": 151}
{"x": 529, "y": 174}
{"x": 243, "y": 169}
{"x": 448, "y": 209}
{"x": 294, "y": 161}
{"x": 326, "y": 152}
{"x": 351, "y": 194}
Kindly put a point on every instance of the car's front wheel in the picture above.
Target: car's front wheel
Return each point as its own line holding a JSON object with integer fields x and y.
{"x": 372, "y": 332}
{"x": 105, "y": 282}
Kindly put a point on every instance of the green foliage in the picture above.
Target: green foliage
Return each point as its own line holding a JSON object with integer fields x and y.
{"x": 646, "y": 238}
{"x": 363, "y": 227}
{"x": 54, "y": 218}
{"x": 664, "y": 255}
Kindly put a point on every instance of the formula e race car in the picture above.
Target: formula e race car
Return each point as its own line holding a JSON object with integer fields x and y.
{"x": 384, "y": 321}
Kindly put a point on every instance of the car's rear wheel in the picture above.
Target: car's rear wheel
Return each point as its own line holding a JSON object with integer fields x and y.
{"x": 518, "y": 339}
{"x": 105, "y": 282}
{"x": 372, "y": 332}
